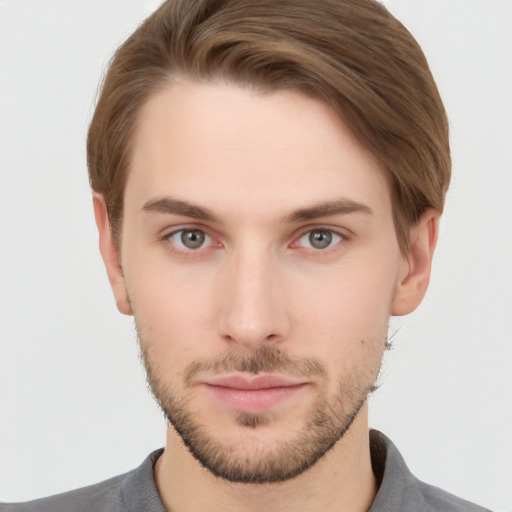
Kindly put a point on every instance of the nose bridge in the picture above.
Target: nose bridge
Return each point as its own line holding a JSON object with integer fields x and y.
{"x": 253, "y": 310}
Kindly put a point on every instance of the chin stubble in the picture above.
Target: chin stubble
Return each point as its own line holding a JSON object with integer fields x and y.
{"x": 326, "y": 422}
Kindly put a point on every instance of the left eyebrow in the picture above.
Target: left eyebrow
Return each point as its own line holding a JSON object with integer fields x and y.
{"x": 328, "y": 209}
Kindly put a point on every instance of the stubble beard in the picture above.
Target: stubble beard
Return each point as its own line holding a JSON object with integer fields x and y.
{"x": 326, "y": 423}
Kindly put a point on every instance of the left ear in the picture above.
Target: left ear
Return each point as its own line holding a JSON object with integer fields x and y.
{"x": 414, "y": 274}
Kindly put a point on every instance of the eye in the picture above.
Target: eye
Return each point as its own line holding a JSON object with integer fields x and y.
{"x": 189, "y": 239}
{"x": 320, "y": 239}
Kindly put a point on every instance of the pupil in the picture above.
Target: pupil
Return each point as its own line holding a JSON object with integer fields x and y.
{"x": 320, "y": 239}
{"x": 192, "y": 239}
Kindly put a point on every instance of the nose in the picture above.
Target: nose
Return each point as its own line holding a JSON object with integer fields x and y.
{"x": 253, "y": 306}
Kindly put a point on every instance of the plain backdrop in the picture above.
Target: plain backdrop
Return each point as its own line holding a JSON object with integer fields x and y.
{"x": 74, "y": 408}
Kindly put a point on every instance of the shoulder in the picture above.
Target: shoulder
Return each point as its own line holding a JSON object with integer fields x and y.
{"x": 132, "y": 491}
{"x": 434, "y": 499}
{"x": 104, "y": 496}
{"x": 401, "y": 491}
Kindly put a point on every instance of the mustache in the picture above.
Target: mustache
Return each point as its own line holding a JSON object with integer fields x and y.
{"x": 265, "y": 360}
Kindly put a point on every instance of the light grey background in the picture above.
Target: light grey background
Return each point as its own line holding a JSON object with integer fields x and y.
{"x": 73, "y": 403}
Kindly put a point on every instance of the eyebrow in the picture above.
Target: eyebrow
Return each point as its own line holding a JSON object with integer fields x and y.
{"x": 171, "y": 206}
{"x": 328, "y": 209}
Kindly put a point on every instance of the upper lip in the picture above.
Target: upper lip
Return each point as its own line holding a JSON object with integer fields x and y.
{"x": 255, "y": 382}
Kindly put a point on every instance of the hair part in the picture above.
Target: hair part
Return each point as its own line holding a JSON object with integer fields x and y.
{"x": 352, "y": 54}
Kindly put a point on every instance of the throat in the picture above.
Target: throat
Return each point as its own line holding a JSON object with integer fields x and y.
{"x": 341, "y": 480}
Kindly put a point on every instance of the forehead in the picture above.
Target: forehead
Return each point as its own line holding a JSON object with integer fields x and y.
{"x": 234, "y": 148}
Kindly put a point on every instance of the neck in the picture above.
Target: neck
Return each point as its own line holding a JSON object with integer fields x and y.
{"x": 341, "y": 480}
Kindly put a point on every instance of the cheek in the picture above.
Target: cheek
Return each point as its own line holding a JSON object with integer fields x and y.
{"x": 171, "y": 306}
{"x": 344, "y": 319}
{"x": 350, "y": 301}
{"x": 161, "y": 289}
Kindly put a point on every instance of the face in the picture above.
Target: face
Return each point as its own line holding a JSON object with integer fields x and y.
{"x": 260, "y": 261}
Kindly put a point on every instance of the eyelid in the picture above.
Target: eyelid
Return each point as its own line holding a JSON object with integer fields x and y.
{"x": 167, "y": 233}
{"x": 179, "y": 242}
{"x": 172, "y": 230}
{"x": 344, "y": 234}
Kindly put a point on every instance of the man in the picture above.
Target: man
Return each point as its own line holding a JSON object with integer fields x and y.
{"x": 268, "y": 179}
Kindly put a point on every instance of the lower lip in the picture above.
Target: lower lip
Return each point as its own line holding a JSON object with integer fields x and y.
{"x": 254, "y": 401}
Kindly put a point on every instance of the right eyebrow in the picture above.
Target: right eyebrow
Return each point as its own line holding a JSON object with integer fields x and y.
{"x": 171, "y": 206}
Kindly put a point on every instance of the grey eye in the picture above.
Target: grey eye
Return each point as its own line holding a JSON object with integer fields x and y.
{"x": 189, "y": 239}
{"x": 192, "y": 239}
{"x": 319, "y": 239}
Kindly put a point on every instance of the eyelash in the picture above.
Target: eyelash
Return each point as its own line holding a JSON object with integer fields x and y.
{"x": 185, "y": 251}
{"x": 341, "y": 237}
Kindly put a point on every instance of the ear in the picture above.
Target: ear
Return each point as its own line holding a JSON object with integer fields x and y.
{"x": 110, "y": 255}
{"x": 414, "y": 273}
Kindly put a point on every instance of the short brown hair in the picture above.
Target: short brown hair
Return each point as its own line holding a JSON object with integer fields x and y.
{"x": 352, "y": 54}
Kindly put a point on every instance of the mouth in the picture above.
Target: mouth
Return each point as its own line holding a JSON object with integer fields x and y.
{"x": 253, "y": 395}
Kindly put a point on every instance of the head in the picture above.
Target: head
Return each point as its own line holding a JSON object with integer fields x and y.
{"x": 268, "y": 178}
{"x": 353, "y": 55}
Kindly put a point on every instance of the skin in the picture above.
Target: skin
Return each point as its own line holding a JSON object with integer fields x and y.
{"x": 263, "y": 166}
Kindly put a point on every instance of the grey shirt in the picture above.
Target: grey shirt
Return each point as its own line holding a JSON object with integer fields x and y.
{"x": 399, "y": 490}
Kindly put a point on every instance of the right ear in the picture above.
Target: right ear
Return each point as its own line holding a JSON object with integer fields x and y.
{"x": 110, "y": 255}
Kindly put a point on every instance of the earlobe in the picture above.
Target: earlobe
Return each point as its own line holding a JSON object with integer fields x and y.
{"x": 414, "y": 275}
{"x": 110, "y": 255}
